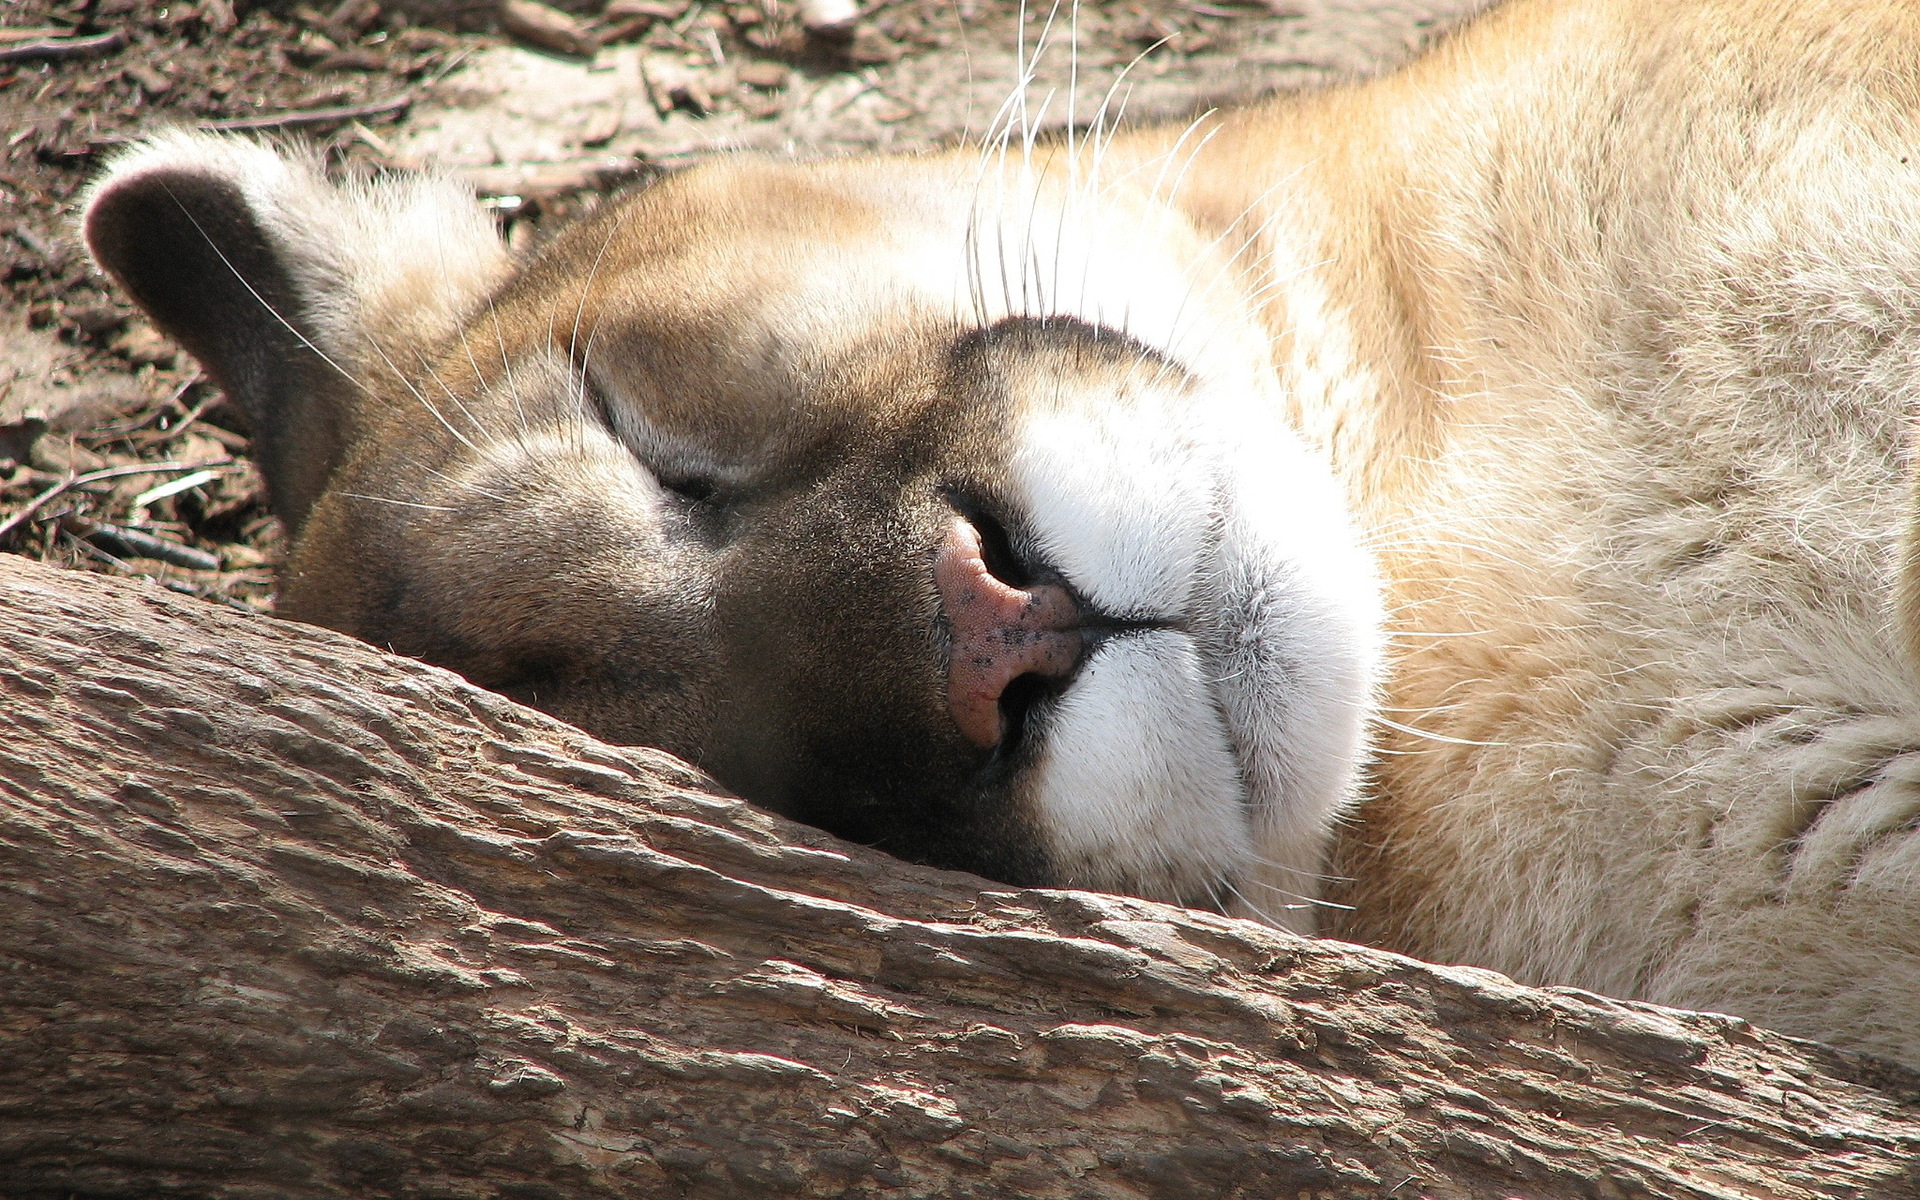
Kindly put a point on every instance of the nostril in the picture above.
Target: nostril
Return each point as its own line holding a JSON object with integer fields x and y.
{"x": 996, "y": 549}
{"x": 1017, "y": 703}
{"x": 1004, "y": 561}
{"x": 1002, "y": 634}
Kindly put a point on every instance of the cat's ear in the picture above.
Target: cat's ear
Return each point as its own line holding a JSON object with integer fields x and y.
{"x": 296, "y": 294}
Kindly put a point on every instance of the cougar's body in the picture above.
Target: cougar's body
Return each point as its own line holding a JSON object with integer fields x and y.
{"x": 1477, "y": 498}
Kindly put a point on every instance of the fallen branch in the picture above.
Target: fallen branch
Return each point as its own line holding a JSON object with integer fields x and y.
{"x": 284, "y": 916}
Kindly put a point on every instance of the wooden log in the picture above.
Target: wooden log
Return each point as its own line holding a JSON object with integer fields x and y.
{"x": 284, "y": 916}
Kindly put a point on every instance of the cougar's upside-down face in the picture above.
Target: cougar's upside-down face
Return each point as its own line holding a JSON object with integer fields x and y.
{"x": 987, "y": 550}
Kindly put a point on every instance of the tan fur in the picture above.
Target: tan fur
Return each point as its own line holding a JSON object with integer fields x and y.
{"x": 1631, "y": 288}
{"x": 1605, "y": 316}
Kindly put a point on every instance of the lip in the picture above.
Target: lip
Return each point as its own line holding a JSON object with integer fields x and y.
{"x": 1100, "y": 628}
{"x": 1028, "y": 698}
{"x": 1027, "y": 729}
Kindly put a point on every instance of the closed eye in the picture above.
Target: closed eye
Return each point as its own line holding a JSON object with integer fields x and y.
{"x": 694, "y": 489}
{"x": 677, "y": 465}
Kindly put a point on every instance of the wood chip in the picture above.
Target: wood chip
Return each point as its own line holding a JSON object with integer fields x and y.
{"x": 761, "y": 106}
{"x": 326, "y": 97}
{"x": 546, "y": 27}
{"x": 600, "y": 126}
{"x": 623, "y": 31}
{"x": 310, "y": 49}
{"x": 416, "y": 41}
{"x": 872, "y": 48}
{"x": 142, "y": 345}
{"x": 764, "y": 75}
{"x": 353, "y": 58}
{"x": 652, "y": 10}
{"x": 152, "y": 82}
{"x": 95, "y": 320}
{"x": 216, "y": 15}
{"x": 671, "y": 85}
{"x": 356, "y": 15}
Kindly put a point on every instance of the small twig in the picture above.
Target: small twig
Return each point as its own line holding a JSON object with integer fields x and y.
{"x": 93, "y": 551}
{"x": 136, "y": 544}
{"x": 157, "y": 437}
{"x": 147, "y": 417}
{"x": 185, "y": 386}
{"x": 58, "y": 48}
{"x": 173, "y": 487}
{"x": 449, "y": 66}
{"x": 299, "y": 117}
{"x": 866, "y": 89}
{"x": 579, "y": 174}
{"x": 73, "y": 481}
{"x": 34, "y": 242}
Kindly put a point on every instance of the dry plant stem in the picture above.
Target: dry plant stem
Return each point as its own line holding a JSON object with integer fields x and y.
{"x": 284, "y": 916}
{"x": 160, "y": 437}
{"x": 54, "y": 49}
{"x": 73, "y": 481}
{"x": 137, "y": 544}
{"x": 299, "y": 118}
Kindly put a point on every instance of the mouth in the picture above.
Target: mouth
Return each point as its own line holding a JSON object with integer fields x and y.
{"x": 1019, "y": 632}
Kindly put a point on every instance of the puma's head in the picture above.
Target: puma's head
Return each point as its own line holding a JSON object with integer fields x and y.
{"x": 949, "y": 511}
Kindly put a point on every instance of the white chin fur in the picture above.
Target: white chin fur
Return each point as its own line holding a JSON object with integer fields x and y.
{"x": 1209, "y": 760}
{"x": 1142, "y": 809}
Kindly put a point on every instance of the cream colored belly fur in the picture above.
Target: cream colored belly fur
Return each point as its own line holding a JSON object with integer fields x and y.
{"x": 1605, "y": 316}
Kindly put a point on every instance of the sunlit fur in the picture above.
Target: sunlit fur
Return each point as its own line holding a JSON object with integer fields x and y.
{"x": 1593, "y": 333}
{"x": 390, "y": 267}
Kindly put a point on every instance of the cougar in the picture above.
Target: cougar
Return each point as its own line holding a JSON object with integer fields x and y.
{"x": 1469, "y": 512}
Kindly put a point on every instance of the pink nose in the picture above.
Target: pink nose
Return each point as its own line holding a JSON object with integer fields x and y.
{"x": 1000, "y": 632}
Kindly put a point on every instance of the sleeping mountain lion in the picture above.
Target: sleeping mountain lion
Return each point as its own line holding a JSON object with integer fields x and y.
{"x": 1470, "y": 512}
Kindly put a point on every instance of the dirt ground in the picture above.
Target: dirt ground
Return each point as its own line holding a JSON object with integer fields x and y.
{"x": 117, "y": 455}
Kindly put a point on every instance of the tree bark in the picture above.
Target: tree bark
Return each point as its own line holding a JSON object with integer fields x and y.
{"x": 284, "y": 916}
